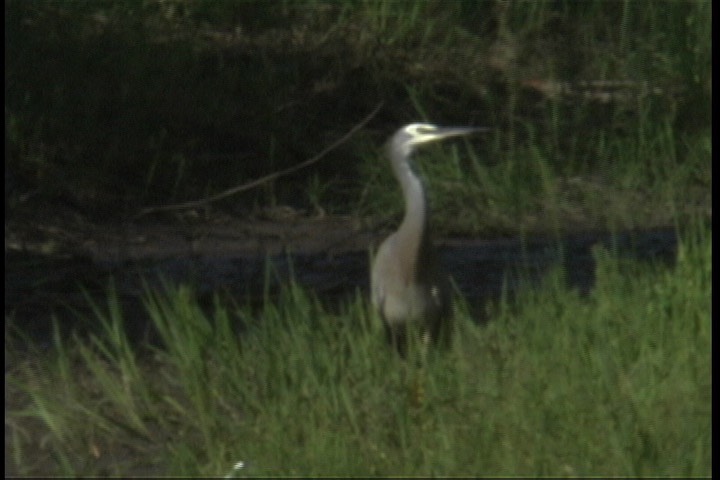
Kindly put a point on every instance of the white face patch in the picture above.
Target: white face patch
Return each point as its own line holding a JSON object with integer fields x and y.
{"x": 420, "y": 129}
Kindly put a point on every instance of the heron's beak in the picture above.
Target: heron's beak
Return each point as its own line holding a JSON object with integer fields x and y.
{"x": 445, "y": 132}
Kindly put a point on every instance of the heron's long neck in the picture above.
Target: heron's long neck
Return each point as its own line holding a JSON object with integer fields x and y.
{"x": 412, "y": 234}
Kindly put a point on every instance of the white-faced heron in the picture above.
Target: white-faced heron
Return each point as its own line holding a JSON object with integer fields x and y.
{"x": 408, "y": 287}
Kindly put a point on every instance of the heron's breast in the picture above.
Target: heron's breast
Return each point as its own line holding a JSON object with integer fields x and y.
{"x": 409, "y": 303}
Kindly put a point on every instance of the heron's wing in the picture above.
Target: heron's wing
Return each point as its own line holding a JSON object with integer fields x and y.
{"x": 378, "y": 275}
{"x": 385, "y": 273}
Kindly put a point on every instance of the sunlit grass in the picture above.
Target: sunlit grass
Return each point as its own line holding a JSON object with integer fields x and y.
{"x": 617, "y": 383}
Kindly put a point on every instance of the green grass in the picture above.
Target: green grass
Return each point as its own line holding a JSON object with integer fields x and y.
{"x": 178, "y": 100}
{"x": 620, "y": 185}
{"x": 614, "y": 384}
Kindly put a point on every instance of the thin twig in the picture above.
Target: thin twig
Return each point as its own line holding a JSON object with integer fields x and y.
{"x": 261, "y": 180}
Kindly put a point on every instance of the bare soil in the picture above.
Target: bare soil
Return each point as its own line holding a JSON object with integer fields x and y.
{"x": 59, "y": 231}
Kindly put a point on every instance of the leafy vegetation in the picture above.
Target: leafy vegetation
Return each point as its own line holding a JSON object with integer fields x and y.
{"x": 125, "y": 105}
{"x": 600, "y": 116}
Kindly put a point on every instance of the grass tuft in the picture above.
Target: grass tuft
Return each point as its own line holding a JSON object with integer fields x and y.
{"x": 614, "y": 384}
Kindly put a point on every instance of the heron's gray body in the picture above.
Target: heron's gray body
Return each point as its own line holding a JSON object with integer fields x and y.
{"x": 409, "y": 287}
{"x": 402, "y": 296}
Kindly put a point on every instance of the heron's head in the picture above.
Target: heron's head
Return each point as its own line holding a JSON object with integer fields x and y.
{"x": 416, "y": 134}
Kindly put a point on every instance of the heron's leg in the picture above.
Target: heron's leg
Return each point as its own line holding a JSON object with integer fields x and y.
{"x": 420, "y": 340}
{"x": 425, "y": 339}
{"x": 397, "y": 337}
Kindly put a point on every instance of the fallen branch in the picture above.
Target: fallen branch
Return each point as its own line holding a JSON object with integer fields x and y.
{"x": 261, "y": 180}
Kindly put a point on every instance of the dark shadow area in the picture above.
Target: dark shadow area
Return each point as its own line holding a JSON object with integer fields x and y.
{"x": 38, "y": 288}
